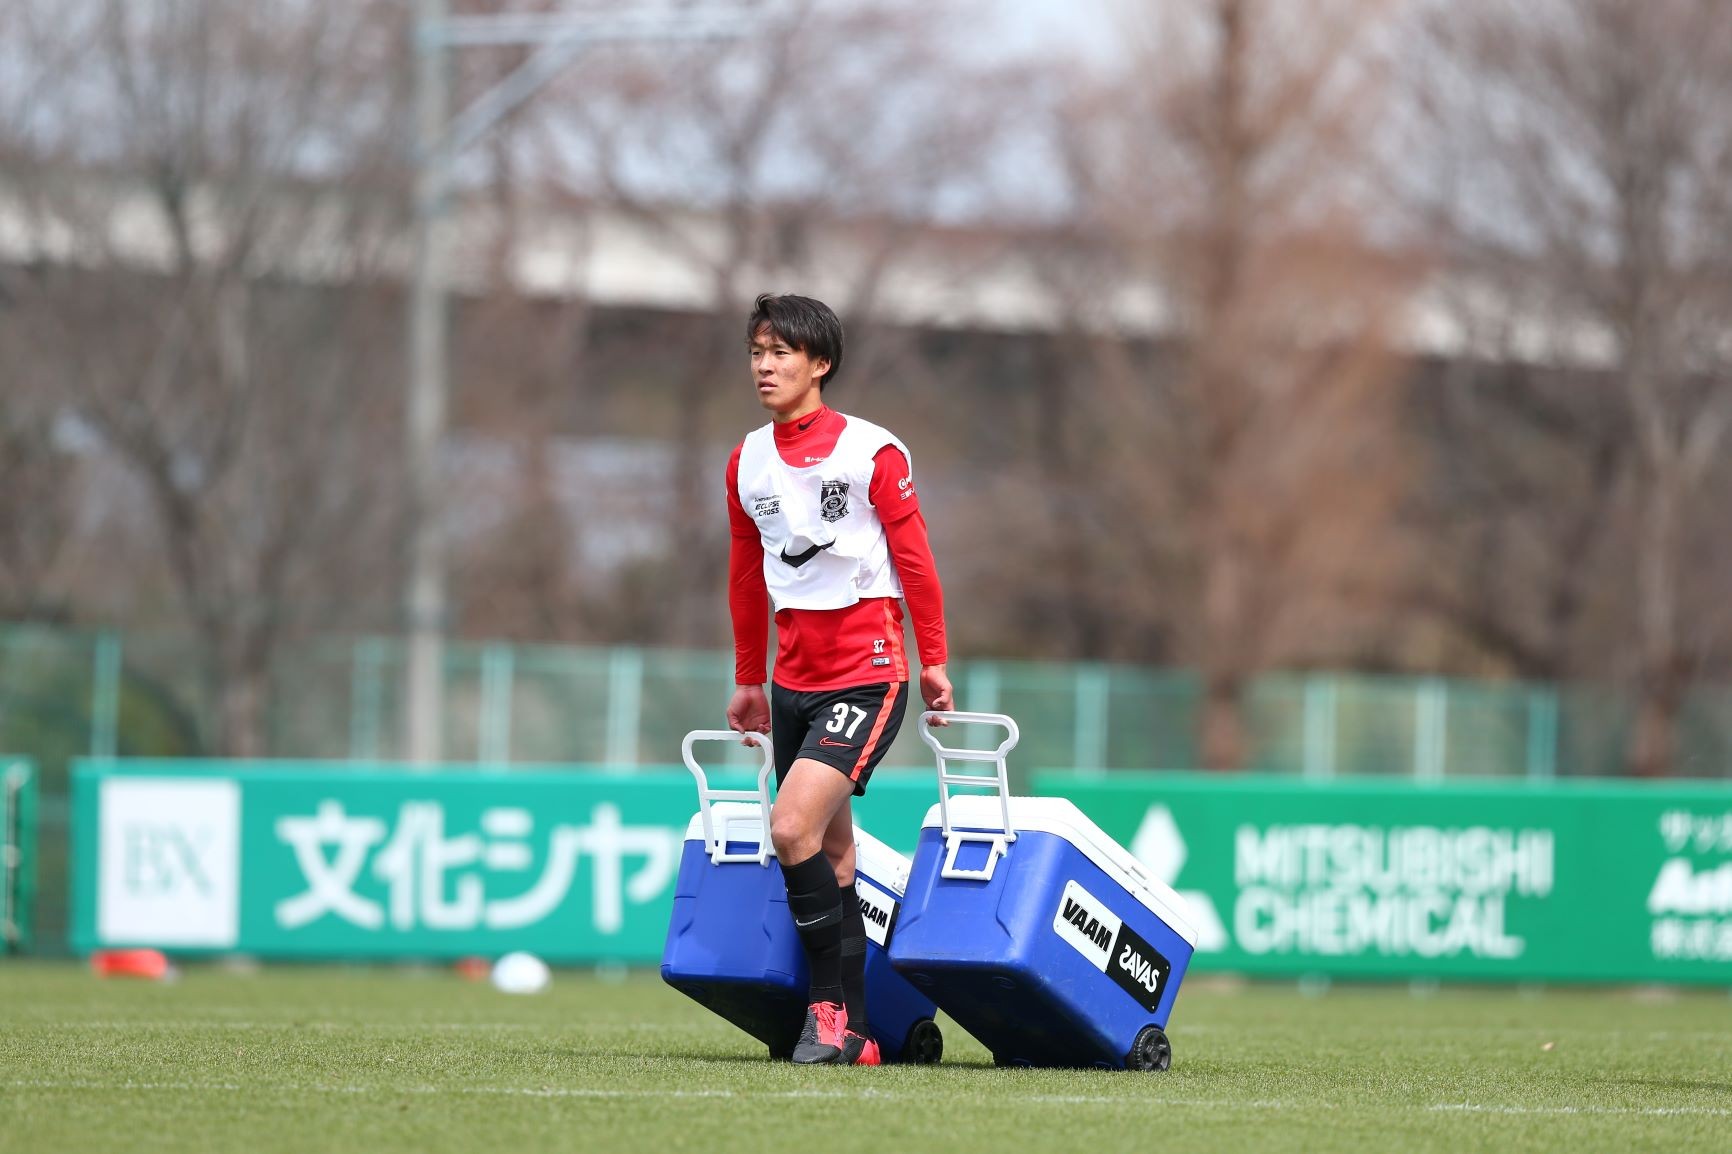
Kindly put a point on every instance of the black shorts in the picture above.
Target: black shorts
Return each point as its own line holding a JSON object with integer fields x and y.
{"x": 847, "y": 728}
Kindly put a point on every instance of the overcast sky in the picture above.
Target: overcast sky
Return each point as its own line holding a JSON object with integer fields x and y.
{"x": 1031, "y": 25}
{"x": 1024, "y": 26}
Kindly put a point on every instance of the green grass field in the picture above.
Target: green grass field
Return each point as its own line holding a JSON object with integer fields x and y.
{"x": 387, "y": 1060}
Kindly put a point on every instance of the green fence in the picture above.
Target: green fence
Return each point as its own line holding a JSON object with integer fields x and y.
{"x": 1484, "y": 882}
{"x": 65, "y": 694}
{"x": 17, "y": 852}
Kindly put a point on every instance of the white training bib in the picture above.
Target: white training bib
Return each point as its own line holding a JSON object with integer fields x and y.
{"x": 824, "y": 545}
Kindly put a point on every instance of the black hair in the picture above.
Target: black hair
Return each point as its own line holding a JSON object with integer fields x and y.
{"x": 805, "y": 324}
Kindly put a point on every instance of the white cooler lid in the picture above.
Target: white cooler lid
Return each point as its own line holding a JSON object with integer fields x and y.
{"x": 881, "y": 864}
{"x": 734, "y": 821}
{"x": 740, "y": 821}
{"x": 1061, "y": 817}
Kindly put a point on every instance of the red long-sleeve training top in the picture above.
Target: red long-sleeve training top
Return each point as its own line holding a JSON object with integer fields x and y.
{"x": 833, "y": 648}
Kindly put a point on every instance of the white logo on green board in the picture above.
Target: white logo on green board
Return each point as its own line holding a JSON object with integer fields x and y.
{"x": 1160, "y": 846}
{"x": 168, "y": 853}
{"x": 498, "y": 878}
{"x": 1421, "y": 891}
{"x": 1691, "y": 899}
{"x": 1345, "y": 889}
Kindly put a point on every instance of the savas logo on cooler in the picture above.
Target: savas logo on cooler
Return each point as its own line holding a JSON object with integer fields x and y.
{"x": 1141, "y": 970}
{"x": 1111, "y": 947}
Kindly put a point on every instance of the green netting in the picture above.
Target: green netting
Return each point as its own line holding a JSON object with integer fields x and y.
{"x": 1490, "y": 731}
{"x": 630, "y": 707}
{"x": 556, "y": 697}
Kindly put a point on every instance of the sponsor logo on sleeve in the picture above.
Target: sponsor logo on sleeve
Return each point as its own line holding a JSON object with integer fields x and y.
{"x": 1111, "y": 947}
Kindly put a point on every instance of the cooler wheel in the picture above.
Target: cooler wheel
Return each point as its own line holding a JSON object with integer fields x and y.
{"x": 925, "y": 1044}
{"x": 1150, "y": 1051}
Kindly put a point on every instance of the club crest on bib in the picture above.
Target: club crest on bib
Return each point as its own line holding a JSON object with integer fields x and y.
{"x": 833, "y": 500}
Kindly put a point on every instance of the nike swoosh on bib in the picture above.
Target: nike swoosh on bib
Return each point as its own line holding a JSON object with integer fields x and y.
{"x": 799, "y": 559}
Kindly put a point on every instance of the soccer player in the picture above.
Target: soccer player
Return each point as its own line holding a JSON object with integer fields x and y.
{"x": 826, "y": 527}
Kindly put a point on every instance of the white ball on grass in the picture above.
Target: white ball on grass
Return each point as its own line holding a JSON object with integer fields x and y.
{"x": 521, "y": 973}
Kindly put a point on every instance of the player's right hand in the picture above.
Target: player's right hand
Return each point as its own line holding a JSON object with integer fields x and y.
{"x": 936, "y": 692}
{"x": 749, "y": 710}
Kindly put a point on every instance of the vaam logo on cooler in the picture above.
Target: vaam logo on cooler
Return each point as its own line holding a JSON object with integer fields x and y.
{"x": 1111, "y": 947}
{"x": 878, "y": 910}
{"x": 1426, "y": 891}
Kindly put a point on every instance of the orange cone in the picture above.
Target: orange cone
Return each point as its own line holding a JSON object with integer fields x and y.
{"x": 149, "y": 964}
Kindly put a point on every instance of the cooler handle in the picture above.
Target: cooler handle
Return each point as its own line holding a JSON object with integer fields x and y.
{"x": 717, "y": 845}
{"x": 956, "y": 839}
{"x": 999, "y": 779}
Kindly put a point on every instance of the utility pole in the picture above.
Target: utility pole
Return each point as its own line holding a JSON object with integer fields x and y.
{"x": 559, "y": 38}
{"x": 425, "y": 410}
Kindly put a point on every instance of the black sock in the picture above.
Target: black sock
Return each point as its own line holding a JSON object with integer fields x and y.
{"x": 854, "y": 960}
{"x": 816, "y": 903}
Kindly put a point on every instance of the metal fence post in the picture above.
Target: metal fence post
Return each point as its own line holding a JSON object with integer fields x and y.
{"x": 1542, "y": 733}
{"x": 1089, "y": 746}
{"x": 624, "y": 705}
{"x": 983, "y": 687}
{"x": 1321, "y": 698}
{"x": 105, "y": 697}
{"x": 1430, "y": 732}
{"x": 366, "y": 690}
{"x": 494, "y": 736}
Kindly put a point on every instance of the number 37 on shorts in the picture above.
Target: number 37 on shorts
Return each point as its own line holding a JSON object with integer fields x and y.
{"x": 849, "y": 729}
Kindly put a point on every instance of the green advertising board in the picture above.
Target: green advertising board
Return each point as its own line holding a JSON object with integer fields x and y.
{"x": 1371, "y": 879}
{"x": 1562, "y": 882}
{"x": 316, "y": 860}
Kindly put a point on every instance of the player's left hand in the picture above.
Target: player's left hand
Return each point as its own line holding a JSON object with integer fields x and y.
{"x": 935, "y": 691}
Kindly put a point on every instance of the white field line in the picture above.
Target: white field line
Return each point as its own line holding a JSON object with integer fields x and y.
{"x": 578, "y": 1092}
{"x": 598, "y": 1093}
{"x": 286, "y": 1024}
{"x": 1567, "y": 1111}
{"x": 1521, "y": 1033}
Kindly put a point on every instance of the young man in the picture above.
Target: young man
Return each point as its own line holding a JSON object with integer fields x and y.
{"x": 827, "y": 527}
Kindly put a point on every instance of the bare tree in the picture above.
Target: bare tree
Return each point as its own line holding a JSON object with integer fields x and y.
{"x": 38, "y": 506}
{"x": 1526, "y": 466}
{"x": 1228, "y": 168}
{"x": 212, "y": 202}
{"x": 804, "y": 159}
{"x": 1598, "y": 133}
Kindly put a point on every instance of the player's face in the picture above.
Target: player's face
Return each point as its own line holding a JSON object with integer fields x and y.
{"x": 786, "y": 377}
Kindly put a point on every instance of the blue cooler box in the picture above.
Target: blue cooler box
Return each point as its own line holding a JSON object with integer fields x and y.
{"x": 1040, "y": 935}
{"x": 732, "y": 945}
